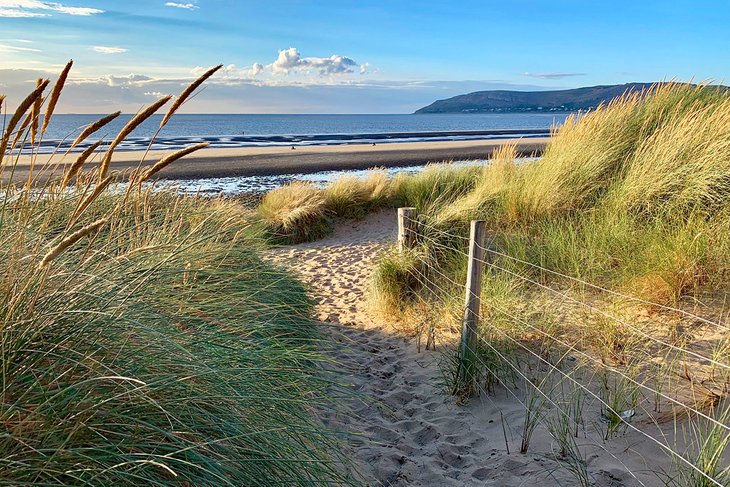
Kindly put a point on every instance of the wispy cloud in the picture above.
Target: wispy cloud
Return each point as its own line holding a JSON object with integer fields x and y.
{"x": 552, "y": 75}
{"x": 109, "y": 49}
{"x": 110, "y": 80}
{"x": 37, "y": 8}
{"x": 186, "y": 6}
{"x": 9, "y": 48}
{"x": 18, "y": 13}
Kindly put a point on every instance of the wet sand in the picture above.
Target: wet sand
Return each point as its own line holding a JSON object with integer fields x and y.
{"x": 260, "y": 161}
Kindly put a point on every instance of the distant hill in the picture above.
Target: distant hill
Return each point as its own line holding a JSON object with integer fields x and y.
{"x": 531, "y": 101}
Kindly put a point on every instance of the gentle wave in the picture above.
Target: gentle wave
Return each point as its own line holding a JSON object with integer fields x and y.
{"x": 235, "y": 141}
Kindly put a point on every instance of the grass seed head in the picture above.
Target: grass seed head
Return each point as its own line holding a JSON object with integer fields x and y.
{"x": 24, "y": 106}
{"x": 55, "y": 94}
{"x": 78, "y": 164}
{"x": 91, "y": 128}
{"x": 35, "y": 114}
{"x": 187, "y": 92}
{"x": 135, "y": 122}
{"x": 169, "y": 159}
{"x": 70, "y": 240}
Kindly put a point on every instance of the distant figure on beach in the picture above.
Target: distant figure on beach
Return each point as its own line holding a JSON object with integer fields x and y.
{"x": 293, "y": 148}
{"x": 373, "y": 143}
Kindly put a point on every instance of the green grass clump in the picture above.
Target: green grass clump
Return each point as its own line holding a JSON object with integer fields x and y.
{"x": 301, "y": 212}
{"x": 436, "y": 186}
{"x": 353, "y": 197}
{"x": 397, "y": 281}
{"x": 710, "y": 444}
{"x": 162, "y": 349}
{"x": 633, "y": 196}
{"x": 295, "y": 213}
{"x": 144, "y": 341}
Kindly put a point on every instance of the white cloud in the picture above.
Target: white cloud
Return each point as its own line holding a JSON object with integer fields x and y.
{"x": 111, "y": 80}
{"x": 232, "y": 73}
{"x": 37, "y": 8}
{"x": 17, "y": 14}
{"x": 256, "y": 69}
{"x": 291, "y": 60}
{"x": 79, "y": 11}
{"x": 186, "y": 6}
{"x": 230, "y": 94}
{"x": 109, "y": 49}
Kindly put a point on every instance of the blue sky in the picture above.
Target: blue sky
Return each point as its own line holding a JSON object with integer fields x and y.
{"x": 352, "y": 57}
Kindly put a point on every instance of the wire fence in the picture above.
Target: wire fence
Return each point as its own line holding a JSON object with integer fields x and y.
{"x": 538, "y": 347}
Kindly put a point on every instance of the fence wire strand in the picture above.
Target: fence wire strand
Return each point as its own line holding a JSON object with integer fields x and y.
{"x": 570, "y": 278}
{"x": 438, "y": 292}
{"x": 428, "y": 282}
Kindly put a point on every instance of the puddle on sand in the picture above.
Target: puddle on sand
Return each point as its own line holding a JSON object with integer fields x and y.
{"x": 231, "y": 186}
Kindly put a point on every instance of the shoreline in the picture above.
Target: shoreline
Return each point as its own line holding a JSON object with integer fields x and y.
{"x": 269, "y": 161}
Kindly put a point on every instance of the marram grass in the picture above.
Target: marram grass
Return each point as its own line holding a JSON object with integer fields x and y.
{"x": 301, "y": 212}
{"x": 144, "y": 341}
{"x": 633, "y": 196}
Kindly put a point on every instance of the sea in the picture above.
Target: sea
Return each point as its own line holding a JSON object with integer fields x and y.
{"x": 230, "y": 131}
{"x": 225, "y": 131}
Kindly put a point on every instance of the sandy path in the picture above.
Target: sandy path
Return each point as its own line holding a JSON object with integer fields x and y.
{"x": 404, "y": 429}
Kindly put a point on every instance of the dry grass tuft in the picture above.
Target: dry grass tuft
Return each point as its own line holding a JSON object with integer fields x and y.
{"x": 169, "y": 159}
{"x": 55, "y": 95}
{"x": 295, "y": 213}
{"x": 182, "y": 98}
{"x": 135, "y": 122}
{"x": 93, "y": 127}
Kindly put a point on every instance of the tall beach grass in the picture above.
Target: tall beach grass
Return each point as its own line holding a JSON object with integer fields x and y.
{"x": 143, "y": 339}
{"x": 633, "y": 197}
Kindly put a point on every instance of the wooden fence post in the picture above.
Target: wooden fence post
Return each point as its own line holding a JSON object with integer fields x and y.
{"x": 469, "y": 341}
{"x": 407, "y": 228}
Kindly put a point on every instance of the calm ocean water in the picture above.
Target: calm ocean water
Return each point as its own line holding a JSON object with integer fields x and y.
{"x": 284, "y": 130}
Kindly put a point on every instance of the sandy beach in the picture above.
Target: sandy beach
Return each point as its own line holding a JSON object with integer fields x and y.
{"x": 260, "y": 161}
